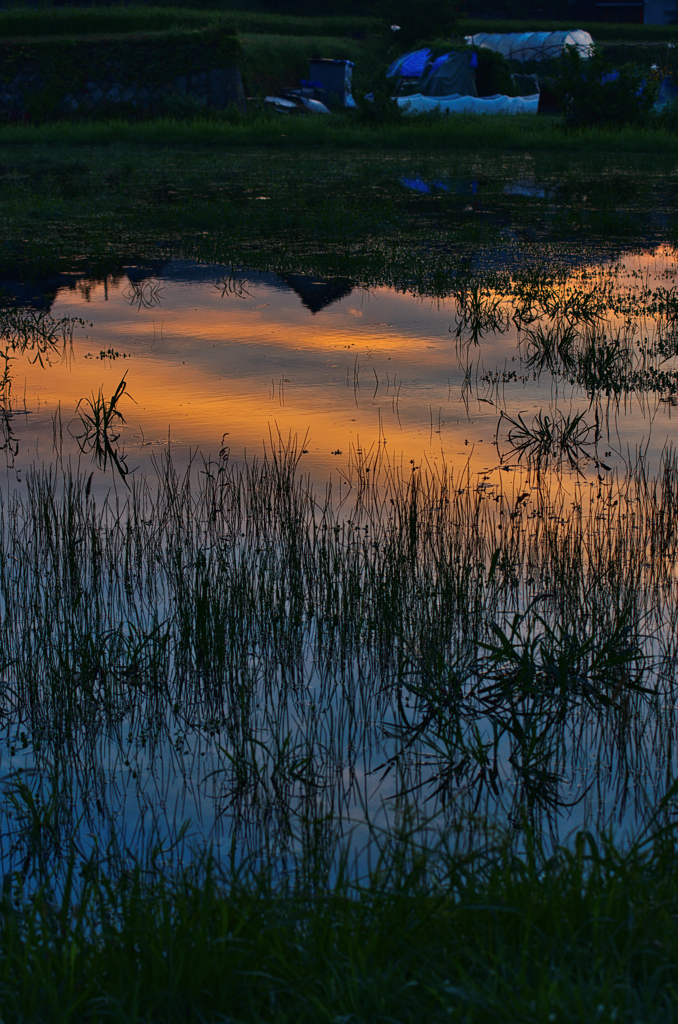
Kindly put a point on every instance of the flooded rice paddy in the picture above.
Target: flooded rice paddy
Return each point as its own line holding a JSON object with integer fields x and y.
{"x": 215, "y": 357}
{"x": 290, "y": 564}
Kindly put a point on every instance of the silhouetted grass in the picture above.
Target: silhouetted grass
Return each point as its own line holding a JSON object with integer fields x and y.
{"x": 236, "y": 629}
{"x": 585, "y": 933}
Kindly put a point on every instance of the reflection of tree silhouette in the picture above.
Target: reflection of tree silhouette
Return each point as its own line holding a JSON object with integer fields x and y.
{"x": 318, "y": 292}
{"x": 144, "y": 285}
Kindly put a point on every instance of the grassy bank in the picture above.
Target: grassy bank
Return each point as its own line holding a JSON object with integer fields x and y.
{"x": 27, "y": 22}
{"x": 426, "y": 134}
{"x": 589, "y": 934}
{"x": 277, "y": 47}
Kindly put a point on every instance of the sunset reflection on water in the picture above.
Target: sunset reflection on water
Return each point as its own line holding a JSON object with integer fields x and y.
{"x": 526, "y": 450}
{"x": 212, "y": 365}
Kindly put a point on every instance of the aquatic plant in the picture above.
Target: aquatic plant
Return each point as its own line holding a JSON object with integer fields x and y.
{"x": 479, "y": 312}
{"x": 99, "y": 431}
{"x": 549, "y": 441}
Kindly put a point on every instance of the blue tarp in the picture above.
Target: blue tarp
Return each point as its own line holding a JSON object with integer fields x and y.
{"x": 410, "y": 65}
{"x": 668, "y": 93}
{"x": 418, "y": 63}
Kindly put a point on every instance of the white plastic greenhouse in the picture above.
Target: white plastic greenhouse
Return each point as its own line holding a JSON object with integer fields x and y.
{"x": 524, "y": 46}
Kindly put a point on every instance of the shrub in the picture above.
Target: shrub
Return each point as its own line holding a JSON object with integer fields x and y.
{"x": 493, "y": 74}
{"x": 594, "y": 92}
{"x": 380, "y": 108}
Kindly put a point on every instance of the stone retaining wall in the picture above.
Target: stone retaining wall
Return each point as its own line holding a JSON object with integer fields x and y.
{"x": 135, "y": 73}
{"x": 215, "y": 88}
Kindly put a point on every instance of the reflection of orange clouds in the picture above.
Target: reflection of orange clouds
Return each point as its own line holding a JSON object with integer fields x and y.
{"x": 199, "y": 408}
{"x": 280, "y": 322}
{"x": 204, "y": 365}
{"x": 204, "y": 375}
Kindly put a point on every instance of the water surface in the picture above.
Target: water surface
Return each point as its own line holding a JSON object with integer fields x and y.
{"x": 539, "y": 396}
{"x": 212, "y": 358}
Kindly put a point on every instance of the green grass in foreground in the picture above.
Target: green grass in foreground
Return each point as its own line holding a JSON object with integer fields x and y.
{"x": 589, "y": 934}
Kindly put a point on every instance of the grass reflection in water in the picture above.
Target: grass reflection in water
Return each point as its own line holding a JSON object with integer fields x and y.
{"x": 231, "y": 641}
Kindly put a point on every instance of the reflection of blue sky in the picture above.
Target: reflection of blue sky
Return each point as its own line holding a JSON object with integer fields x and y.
{"x": 141, "y": 795}
{"x": 149, "y": 775}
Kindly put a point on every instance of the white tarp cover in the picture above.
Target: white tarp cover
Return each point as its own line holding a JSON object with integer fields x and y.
{"x": 419, "y": 104}
{"x": 524, "y": 46}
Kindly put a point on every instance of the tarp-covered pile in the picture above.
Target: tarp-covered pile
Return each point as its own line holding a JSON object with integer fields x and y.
{"x": 452, "y": 74}
{"x": 447, "y": 84}
{"x": 418, "y": 104}
{"x": 449, "y": 75}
